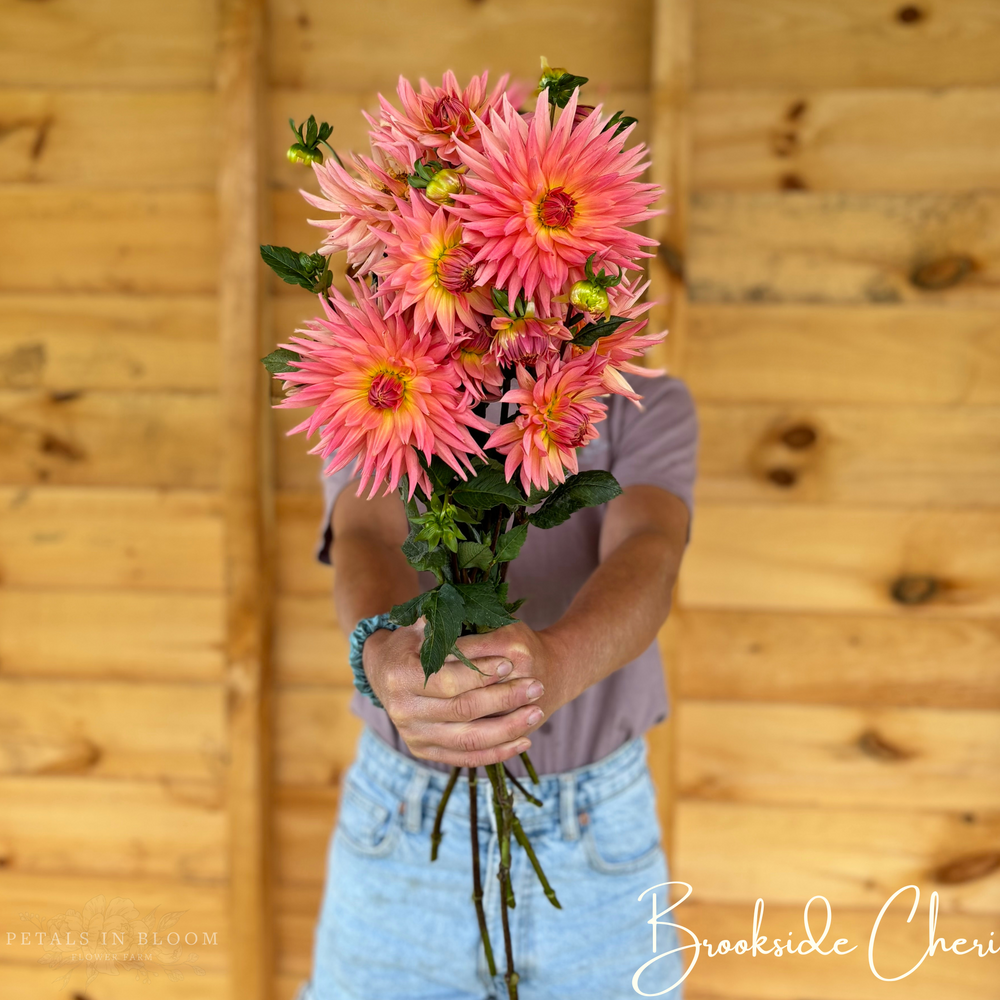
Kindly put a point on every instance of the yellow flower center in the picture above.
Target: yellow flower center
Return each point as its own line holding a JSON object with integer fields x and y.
{"x": 387, "y": 391}
{"x": 556, "y": 209}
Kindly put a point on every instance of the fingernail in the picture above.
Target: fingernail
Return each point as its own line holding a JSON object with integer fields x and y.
{"x": 535, "y": 715}
{"x": 522, "y": 746}
{"x": 505, "y": 668}
{"x": 536, "y": 690}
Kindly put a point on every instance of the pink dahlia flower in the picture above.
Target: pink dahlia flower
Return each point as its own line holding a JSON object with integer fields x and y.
{"x": 435, "y": 116}
{"x": 381, "y": 395}
{"x": 544, "y": 199}
{"x": 558, "y": 411}
{"x": 432, "y": 269}
{"x": 364, "y": 206}
{"x": 479, "y": 370}
{"x": 528, "y": 339}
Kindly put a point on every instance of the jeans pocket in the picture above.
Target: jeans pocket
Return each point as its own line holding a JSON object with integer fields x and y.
{"x": 622, "y": 833}
{"x": 367, "y": 825}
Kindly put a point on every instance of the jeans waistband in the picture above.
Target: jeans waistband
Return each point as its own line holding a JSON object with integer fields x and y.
{"x": 566, "y": 797}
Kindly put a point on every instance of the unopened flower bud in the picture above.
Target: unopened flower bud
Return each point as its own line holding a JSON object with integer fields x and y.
{"x": 550, "y": 74}
{"x": 590, "y": 297}
{"x": 298, "y": 153}
{"x": 443, "y": 185}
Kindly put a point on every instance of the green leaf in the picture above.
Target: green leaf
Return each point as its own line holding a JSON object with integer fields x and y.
{"x": 487, "y": 489}
{"x": 474, "y": 554}
{"x": 585, "y": 489}
{"x": 278, "y": 362}
{"x": 444, "y": 609}
{"x": 421, "y": 557}
{"x": 483, "y": 607}
{"x": 302, "y": 269}
{"x": 537, "y": 496}
{"x": 590, "y": 334}
{"x": 407, "y": 612}
{"x": 561, "y": 89}
{"x": 510, "y": 543}
{"x": 500, "y": 299}
{"x": 619, "y": 121}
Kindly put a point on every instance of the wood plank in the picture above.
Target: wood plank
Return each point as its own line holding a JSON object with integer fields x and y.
{"x": 70, "y": 342}
{"x": 108, "y": 138}
{"x": 846, "y": 43}
{"x": 842, "y": 354}
{"x": 92, "y": 240}
{"x": 108, "y": 43}
{"x": 299, "y": 517}
{"x": 846, "y": 140}
{"x": 89, "y": 538}
{"x": 304, "y": 818}
{"x": 733, "y": 853}
{"x": 907, "y": 456}
{"x": 298, "y": 909}
{"x": 124, "y": 438}
{"x": 328, "y": 44}
{"x": 28, "y": 982}
{"x": 47, "y": 898}
{"x": 123, "y": 634}
{"x": 309, "y": 645}
{"x": 847, "y": 659}
{"x": 172, "y": 829}
{"x": 899, "y": 946}
{"x": 819, "y": 558}
{"x": 841, "y": 247}
{"x": 315, "y": 734}
{"x": 112, "y": 729}
{"x": 295, "y": 468}
{"x": 831, "y": 756}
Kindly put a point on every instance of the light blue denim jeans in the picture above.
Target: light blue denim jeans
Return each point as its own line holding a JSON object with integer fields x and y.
{"x": 393, "y": 924}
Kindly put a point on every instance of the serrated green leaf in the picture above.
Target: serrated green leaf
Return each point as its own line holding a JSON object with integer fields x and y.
{"x": 293, "y": 268}
{"x": 590, "y": 334}
{"x": 407, "y": 612}
{"x": 483, "y": 607}
{"x": 585, "y": 489}
{"x": 537, "y": 496}
{"x": 619, "y": 121}
{"x": 279, "y": 361}
{"x": 474, "y": 555}
{"x": 510, "y": 543}
{"x": 444, "y": 610}
{"x": 487, "y": 489}
{"x": 421, "y": 557}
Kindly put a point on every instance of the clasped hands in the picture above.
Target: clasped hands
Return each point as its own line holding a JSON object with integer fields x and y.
{"x": 460, "y": 717}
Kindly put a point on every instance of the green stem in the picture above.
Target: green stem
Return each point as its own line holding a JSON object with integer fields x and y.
{"x": 517, "y": 784}
{"x": 530, "y": 768}
{"x": 522, "y": 839}
{"x": 477, "y": 878}
{"x": 504, "y": 812}
{"x": 436, "y": 833}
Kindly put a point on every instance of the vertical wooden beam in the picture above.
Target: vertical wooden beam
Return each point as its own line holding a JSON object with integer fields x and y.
{"x": 247, "y": 499}
{"x": 671, "y": 84}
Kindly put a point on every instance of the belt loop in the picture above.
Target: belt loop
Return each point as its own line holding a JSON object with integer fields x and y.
{"x": 567, "y": 807}
{"x": 413, "y": 815}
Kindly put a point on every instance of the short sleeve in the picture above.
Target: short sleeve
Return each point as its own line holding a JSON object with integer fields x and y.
{"x": 658, "y": 444}
{"x": 332, "y": 485}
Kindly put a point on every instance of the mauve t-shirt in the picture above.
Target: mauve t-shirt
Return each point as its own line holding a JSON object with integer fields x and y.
{"x": 656, "y": 446}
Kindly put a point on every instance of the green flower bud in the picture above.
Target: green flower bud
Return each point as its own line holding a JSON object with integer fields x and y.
{"x": 299, "y": 153}
{"x": 443, "y": 185}
{"x": 590, "y": 297}
{"x": 550, "y": 74}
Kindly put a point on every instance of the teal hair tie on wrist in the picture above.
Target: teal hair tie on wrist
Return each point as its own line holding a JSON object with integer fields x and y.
{"x": 362, "y": 631}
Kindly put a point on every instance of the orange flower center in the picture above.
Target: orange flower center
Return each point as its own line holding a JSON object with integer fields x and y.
{"x": 386, "y": 391}
{"x": 448, "y": 114}
{"x": 455, "y": 271}
{"x": 556, "y": 209}
{"x": 565, "y": 424}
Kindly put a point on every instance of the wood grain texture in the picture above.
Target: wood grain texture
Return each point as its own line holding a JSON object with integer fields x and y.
{"x": 299, "y": 519}
{"x": 111, "y": 634}
{"x": 845, "y": 43}
{"x": 173, "y": 829}
{"x": 99, "y": 539}
{"x": 108, "y": 43}
{"x": 907, "y": 456}
{"x": 309, "y": 645}
{"x": 841, "y": 248}
{"x": 69, "y": 343}
{"x": 329, "y": 44}
{"x": 304, "y": 817}
{"x": 27, "y": 982}
{"x": 107, "y": 138}
{"x": 125, "y": 438}
{"x": 315, "y": 735}
{"x": 845, "y": 140}
{"x": 733, "y": 853}
{"x": 94, "y": 240}
{"x": 840, "y": 659}
{"x": 831, "y": 756}
{"x": 906, "y": 354}
{"x": 825, "y": 558}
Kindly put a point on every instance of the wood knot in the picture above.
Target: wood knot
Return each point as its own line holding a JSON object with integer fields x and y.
{"x": 792, "y": 182}
{"x": 784, "y": 142}
{"x": 4, "y": 861}
{"x": 798, "y": 437}
{"x": 913, "y": 588}
{"x": 783, "y": 477}
{"x": 796, "y": 110}
{"x": 967, "y": 868}
{"x": 670, "y": 257}
{"x": 943, "y": 272}
{"x": 872, "y": 743}
{"x": 910, "y": 14}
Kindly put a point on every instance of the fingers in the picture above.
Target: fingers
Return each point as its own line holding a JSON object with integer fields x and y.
{"x": 455, "y": 677}
{"x": 474, "y": 758}
{"x": 497, "y": 699}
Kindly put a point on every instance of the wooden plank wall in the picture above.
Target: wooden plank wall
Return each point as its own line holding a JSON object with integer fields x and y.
{"x": 836, "y": 643}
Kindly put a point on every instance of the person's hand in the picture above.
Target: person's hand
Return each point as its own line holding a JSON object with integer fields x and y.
{"x": 460, "y": 717}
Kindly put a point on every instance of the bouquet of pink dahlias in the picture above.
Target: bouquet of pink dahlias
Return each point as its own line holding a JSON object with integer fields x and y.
{"x": 490, "y": 261}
